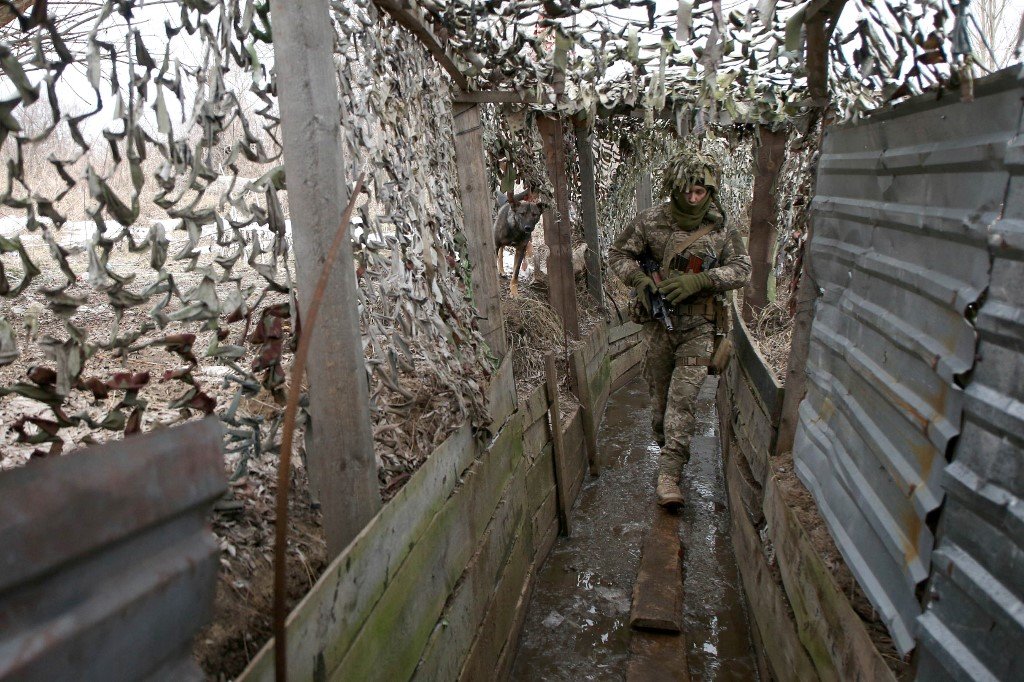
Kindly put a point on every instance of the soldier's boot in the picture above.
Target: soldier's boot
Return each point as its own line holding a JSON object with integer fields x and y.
{"x": 669, "y": 494}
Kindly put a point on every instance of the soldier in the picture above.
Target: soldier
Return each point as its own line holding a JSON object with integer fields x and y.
{"x": 700, "y": 257}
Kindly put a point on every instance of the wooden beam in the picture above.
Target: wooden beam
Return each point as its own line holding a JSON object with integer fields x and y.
{"x": 588, "y": 192}
{"x": 411, "y": 16}
{"x": 820, "y": 24}
{"x": 557, "y": 231}
{"x": 342, "y": 464}
{"x": 771, "y": 152}
{"x": 658, "y": 591}
{"x": 477, "y": 201}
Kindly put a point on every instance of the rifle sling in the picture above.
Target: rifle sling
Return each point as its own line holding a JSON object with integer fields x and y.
{"x": 687, "y": 243}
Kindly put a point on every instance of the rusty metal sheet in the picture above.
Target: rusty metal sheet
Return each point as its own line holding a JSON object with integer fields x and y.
{"x": 108, "y": 566}
{"x": 973, "y": 625}
{"x": 900, "y": 252}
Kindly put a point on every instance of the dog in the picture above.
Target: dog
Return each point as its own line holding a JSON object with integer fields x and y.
{"x": 514, "y": 227}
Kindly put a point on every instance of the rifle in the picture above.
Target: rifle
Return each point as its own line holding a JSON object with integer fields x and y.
{"x": 659, "y": 306}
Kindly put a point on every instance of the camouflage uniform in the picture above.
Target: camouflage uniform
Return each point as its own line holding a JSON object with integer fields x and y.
{"x": 673, "y": 382}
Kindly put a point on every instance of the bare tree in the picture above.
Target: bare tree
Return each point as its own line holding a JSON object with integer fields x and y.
{"x": 994, "y": 29}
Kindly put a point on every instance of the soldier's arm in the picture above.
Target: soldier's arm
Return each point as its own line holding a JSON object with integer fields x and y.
{"x": 624, "y": 251}
{"x": 734, "y": 270}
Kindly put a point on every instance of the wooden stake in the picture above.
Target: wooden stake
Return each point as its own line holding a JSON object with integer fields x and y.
{"x": 586, "y": 398}
{"x": 558, "y": 447}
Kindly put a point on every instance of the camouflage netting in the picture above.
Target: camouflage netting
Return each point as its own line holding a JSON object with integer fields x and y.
{"x": 147, "y": 270}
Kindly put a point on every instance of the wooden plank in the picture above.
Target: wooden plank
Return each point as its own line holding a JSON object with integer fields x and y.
{"x": 588, "y": 209}
{"x": 558, "y": 446}
{"x": 342, "y": 465}
{"x": 572, "y": 437}
{"x": 323, "y": 625}
{"x": 627, "y": 376}
{"x": 657, "y": 657}
{"x": 750, "y": 492}
{"x": 557, "y": 231}
{"x": 581, "y": 382}
{"x": 542, "y": 547}
{"x": 502, "y": 397}
{"x": 627, "y": 366}
{"x": 595, "y": 345}
{"x": 453, "y": 634}
{"x": 832, "y": 633}
{"x": 617, "y": 348}
{"x": 623, "y": 330}
{"x": 540, "y": 479}
{"x": 768, "y": 610}
{"x": 477, "y": 204}
{"x": 412, "y": 17}
{"x": 658, "y": 590}
{"x": 536, "y": 437}
{"x": 766, "y": 387}
{"x": 413, "y": 601}
{"x": 499, "y": 621}
{"x": 536, "y": 406}
{"x": 756, "y": 459}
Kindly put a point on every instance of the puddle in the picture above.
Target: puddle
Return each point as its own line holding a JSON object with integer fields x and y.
{"x": 577, "y": 626}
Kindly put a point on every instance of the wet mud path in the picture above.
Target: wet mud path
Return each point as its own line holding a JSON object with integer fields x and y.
{"x": 577, "y": 626}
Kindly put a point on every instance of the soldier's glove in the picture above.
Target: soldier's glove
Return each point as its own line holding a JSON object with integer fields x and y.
{"x": 644, "y": 287}
{"x": 678, "y": 288}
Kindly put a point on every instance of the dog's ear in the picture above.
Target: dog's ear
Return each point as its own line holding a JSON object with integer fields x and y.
{"x": 512, "y": 200}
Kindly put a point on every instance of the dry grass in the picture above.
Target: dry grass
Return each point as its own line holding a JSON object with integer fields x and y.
{"x": 772, "y": 329}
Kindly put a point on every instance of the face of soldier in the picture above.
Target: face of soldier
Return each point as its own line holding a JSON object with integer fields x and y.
{"x": 695, "y": 194}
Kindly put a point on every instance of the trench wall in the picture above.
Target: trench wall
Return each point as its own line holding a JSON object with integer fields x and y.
{"x": 437, "y": 584}
{"x": 804, "y": 626}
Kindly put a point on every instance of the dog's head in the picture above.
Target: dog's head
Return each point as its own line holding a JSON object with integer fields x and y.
{"x": 527, "y": 213}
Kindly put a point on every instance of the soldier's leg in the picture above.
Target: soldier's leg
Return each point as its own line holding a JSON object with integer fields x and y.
{"x": 682, "y": 397}
{"x": 658, "y": 366}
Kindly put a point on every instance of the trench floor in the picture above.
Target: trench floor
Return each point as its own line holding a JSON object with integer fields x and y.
{"x": 577, "y": 624}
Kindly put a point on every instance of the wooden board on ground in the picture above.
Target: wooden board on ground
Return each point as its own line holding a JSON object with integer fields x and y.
{"x": 657, "y": 657}
{"x": 658, "y": 591}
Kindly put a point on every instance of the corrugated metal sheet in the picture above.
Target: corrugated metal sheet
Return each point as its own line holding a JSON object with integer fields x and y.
{"x": 901, "y": 217}
{"x": 107, "y": 563}
{"x": 973, "y": 627}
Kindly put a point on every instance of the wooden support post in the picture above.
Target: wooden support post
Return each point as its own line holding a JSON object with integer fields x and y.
{"x": 477, "y": 200}
{"x": 557, "y": 231}
{"x": 820, "y": 25}
{"x": 557, "y": 446}
{"x": 644, "y": 197}
{"x": 342, "y": 464}
{"x": 771, "y": 152}
{"x": 588, "y": 192}
{"x": 796, "y": 367}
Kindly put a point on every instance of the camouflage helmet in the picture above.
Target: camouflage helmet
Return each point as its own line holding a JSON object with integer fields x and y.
{"x": 690, "y": 167}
